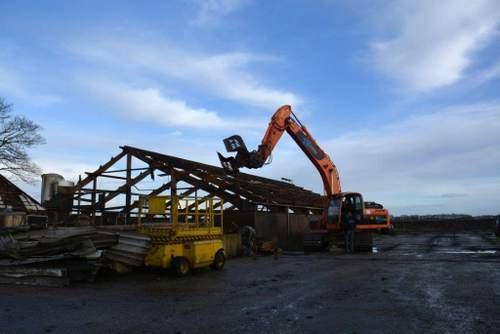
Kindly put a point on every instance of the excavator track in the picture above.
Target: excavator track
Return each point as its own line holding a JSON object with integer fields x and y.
{"x": 315, "y": 241}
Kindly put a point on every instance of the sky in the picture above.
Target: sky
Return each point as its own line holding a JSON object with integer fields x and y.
{"x": 403, "y": 95}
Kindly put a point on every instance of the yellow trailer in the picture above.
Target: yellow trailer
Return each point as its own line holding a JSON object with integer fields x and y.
{"x": 190, "y": 237}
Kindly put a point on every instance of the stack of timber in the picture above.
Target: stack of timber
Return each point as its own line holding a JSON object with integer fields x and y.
{"x": 130, "y": 251}
{"x": 53, "y": 257}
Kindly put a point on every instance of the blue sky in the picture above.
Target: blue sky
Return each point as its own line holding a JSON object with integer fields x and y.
{"x": 403, "y": 95}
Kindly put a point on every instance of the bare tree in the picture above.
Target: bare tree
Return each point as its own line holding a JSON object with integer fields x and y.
{"x": 17, "y": 134}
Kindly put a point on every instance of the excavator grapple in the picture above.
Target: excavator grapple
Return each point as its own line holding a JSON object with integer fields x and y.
{"x": 229, "y": 164}
{"x": 233, "y": 144}
{"x": 243, "y": 157}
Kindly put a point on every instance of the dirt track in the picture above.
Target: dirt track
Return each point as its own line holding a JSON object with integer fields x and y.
{"x": 426, "y": 282}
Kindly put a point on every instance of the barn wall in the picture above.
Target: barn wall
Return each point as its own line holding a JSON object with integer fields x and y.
{"x": 286, "y": 229}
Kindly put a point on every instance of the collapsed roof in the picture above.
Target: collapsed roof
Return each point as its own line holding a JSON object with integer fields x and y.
{"x": 13, "y": 199}
{"x": 185, "y": 177}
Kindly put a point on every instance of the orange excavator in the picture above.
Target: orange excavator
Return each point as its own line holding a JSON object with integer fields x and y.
{"x": 338, "y": 207}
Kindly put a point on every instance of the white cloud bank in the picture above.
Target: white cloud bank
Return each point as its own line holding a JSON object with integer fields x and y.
{"x": 150, "y": 105}
{"x": 225, "y": 75}
{"x": 432, "y": 43}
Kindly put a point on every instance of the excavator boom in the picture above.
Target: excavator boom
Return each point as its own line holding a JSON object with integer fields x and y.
{"x": 283, "y": 120}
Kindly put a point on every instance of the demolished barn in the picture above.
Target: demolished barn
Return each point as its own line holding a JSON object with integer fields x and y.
{"x": 111, "y": 194}
{"x": 147, "y": 173}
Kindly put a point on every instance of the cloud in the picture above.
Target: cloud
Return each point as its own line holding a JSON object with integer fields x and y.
{"x": 70, "y": 169}
{"x": 225, "y": 75}
{"x": 15, "y": 84}
{"x": 490, "y": 73}
{"x": 420, "y": 162}
{"x": 457, "y": 143}
{"x": 149, "y": 104}
{"x": 433, "y": 43}
{"x": 211, "y": 11}
{"x": 452, "y": 195}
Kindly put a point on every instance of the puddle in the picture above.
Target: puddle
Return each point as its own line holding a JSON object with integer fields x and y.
{"x": 469, "y": 252}
{"x": 458, "y": 252}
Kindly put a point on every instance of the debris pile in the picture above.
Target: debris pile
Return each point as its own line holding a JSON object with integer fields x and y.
{"x": 130, "y": 251}
{"x": 53, "y": 257}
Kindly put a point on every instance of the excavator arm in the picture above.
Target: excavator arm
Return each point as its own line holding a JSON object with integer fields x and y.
{"x": 283, "y": 120}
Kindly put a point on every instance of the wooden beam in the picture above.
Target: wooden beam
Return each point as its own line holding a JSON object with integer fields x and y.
{"x": 155, "y": 192}
{"x": 128, "y": 189}
{"x": 123, "y": 189}
{"x": 110, "y": 176}
{"x": 93, "y": 197}
{"x": 233, "y": 199}
{"x": 100, "y": 170}
{"x": 124, "y": 170}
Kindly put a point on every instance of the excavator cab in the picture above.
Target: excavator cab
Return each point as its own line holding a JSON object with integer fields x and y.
{"x": 355, "y": 206}
{"x": 344, "y": 206}
{"x": 343, "y": 209}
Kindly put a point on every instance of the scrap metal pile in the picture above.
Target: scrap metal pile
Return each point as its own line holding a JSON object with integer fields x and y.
{"x": 58, "y": 256}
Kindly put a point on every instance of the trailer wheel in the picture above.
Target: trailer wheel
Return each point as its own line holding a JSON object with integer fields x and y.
{"x": 181, "y": 266}
{"x": 219, "y": 261}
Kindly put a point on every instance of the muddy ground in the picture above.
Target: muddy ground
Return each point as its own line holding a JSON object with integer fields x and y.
{"x": 416, "y": 283}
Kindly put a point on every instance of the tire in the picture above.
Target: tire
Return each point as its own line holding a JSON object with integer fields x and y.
{"x": 180, "y": 265}
{"x": 219, "y": 261}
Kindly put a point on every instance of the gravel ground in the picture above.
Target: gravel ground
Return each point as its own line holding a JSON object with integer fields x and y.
{"x": 414, "y": 283}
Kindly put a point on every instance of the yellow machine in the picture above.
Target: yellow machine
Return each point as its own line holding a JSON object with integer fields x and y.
{"x": 187, "y": 236}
